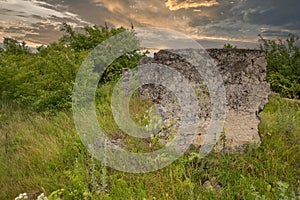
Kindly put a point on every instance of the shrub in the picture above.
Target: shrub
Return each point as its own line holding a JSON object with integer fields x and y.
{"x": 43, "y": 81}
{"x": 283, "y": 65}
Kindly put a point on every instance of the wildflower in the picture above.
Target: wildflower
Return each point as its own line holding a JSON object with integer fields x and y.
{"x": 22, "y": 196}
{"x": 42, "y": 197}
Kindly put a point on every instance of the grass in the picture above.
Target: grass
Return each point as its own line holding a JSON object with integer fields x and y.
{"x": 42, "y": 152}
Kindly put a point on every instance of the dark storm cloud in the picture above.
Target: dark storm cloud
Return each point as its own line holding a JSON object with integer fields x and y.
{"x": 245, "y": 19}
{"x": 283, "y": 13}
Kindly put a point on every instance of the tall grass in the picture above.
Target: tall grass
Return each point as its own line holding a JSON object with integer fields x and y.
{"x": 42, "y": 152}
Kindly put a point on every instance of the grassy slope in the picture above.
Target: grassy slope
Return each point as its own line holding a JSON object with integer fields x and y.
{"x": 43, "y": 152}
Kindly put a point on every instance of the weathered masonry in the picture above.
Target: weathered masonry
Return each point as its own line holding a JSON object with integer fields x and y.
{"x": 244, "y": 77}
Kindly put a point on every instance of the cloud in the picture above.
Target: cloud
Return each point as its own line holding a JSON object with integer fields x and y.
{"x": 283, "y": 13}
{"x": 20, "y": 18}
{"x": 115, "y": 5}
{"x": 235, "y": 20}
{"x": 27, "y": 8}
{"x": 204, "y": 20}
{"x": 244, "y": 19}
{"x": 142, "y": 13}
{"x": 176, "y": 5}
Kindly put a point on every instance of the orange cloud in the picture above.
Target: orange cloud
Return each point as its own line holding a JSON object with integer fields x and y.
{"x": 112, "y": 5}
{"x": 174, "y": 5}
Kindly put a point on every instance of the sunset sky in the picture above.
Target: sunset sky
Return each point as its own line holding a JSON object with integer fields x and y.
{"x": 211, "y": 22}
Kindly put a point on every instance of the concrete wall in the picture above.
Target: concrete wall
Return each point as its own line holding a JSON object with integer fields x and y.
{"x": 247, "y": 92}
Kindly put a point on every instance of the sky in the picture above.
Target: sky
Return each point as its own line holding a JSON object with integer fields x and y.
{"x": 212, "y": 23}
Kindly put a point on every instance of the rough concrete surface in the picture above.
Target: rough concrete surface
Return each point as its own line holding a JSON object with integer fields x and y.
{"x": 244, "y": 77}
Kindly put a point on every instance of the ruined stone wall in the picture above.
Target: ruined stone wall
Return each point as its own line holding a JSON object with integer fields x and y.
{"x": 247, "y": 92}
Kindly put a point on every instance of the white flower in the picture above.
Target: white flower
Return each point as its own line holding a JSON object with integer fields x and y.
{"x": 22, "y": 196}
{"x": 42, "y": 197}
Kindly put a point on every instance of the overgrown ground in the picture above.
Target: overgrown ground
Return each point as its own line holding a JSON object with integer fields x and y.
{"x": 42, "y": 152}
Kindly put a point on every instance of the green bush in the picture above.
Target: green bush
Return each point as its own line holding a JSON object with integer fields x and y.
{"x": 43, "y": 81}
{"x": 229, "y": 46}
{"x": 283, "y": 66}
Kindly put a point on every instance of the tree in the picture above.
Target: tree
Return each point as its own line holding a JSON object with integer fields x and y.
{"x": 14, "y": 47}
{"x": 92, "y": 36}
